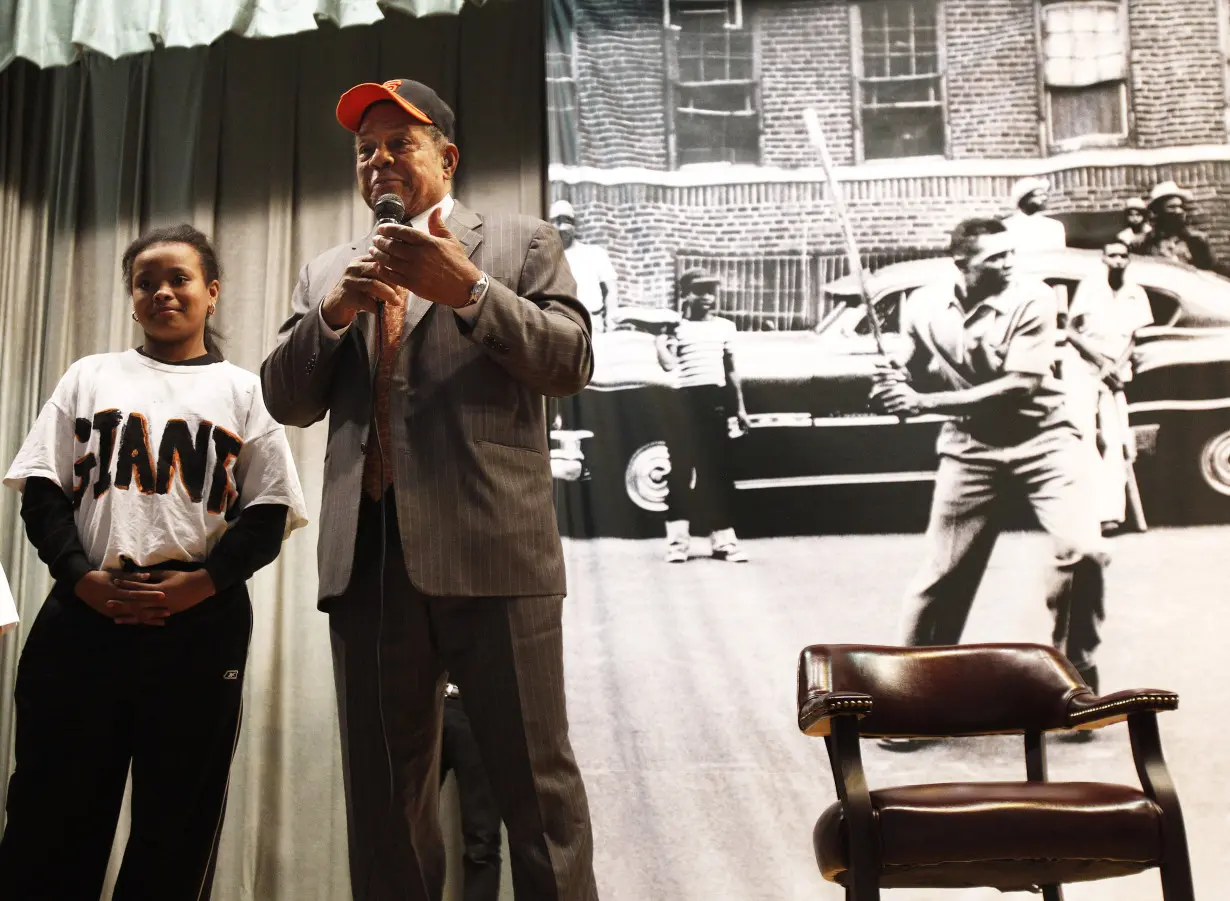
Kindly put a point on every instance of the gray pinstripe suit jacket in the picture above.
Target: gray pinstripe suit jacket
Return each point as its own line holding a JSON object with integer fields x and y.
{"x": 468, "y": 414}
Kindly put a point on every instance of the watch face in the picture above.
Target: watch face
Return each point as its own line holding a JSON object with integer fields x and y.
{"x": 477, "y": 290}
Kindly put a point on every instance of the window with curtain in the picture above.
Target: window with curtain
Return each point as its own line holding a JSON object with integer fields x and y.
{"x": 1084, "y": 68}
{"x": 898, "y": 62}
{"x": 713, "y": 80}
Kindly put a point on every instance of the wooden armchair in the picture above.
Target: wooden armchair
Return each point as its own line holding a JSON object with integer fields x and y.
{"x": 1012, "y": 836}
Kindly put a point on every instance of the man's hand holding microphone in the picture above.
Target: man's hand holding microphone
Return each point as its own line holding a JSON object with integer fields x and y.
{"x": 432, "y": 263}
{"x": 366, "y": 284}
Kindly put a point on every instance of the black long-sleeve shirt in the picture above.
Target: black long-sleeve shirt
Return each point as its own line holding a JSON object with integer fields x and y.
{"x": 251, "y": 542}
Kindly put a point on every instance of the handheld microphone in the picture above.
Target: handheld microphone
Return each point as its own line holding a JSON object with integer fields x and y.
{"x": 389, "y": 210}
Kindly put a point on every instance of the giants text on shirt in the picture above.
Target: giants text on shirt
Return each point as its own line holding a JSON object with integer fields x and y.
{"x": 182, "y": 452}
{"x": 158, "y": 457}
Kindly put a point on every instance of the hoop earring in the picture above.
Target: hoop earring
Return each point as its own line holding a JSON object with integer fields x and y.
{"x": 134, "y": 316}
{"x": 209, "y": 312}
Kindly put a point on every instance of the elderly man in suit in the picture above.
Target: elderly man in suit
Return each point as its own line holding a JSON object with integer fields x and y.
{"x": 439, "y": 556}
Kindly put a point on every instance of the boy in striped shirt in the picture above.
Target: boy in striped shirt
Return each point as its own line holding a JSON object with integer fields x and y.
{"x": 700, "y": 352}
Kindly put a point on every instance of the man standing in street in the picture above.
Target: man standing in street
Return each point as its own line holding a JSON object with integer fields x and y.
{"x": 982, "y": 350}
{"x": 1032, "y": 229}
{"x": 701, "y": 353}
{"x": 432, "y": 346}
{"x": 1172, "y": 238}
{"x": 1103, "y": 318}
{"x": 590, "y": 265}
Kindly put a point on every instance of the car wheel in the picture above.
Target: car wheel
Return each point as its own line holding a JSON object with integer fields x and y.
{"x": 1214, "y": 459}
{"x": 645, "y": 477}
{"x": 1189, "y": 481}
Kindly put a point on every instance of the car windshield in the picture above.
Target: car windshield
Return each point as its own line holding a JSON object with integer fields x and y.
{"x": 840, "y": 308}
{"x": 847, "y": 315}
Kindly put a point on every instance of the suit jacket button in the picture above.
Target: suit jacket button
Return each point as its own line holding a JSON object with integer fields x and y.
{"x": 363, "y": 448}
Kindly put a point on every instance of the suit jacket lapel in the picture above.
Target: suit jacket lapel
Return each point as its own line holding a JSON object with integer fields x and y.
{"x": 465, "y": 225}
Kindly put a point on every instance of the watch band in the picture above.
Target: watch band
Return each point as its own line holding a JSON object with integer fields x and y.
{"x": 479, "y": 290}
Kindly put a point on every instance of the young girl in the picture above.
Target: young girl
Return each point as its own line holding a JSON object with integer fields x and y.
{"x": 154, "y": 484}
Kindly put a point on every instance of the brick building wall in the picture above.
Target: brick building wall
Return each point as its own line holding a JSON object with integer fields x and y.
{"x": 1177, "y": 97}
{"x": 621, "y": 80}
{"x": 992, "y": 78}
{"x": 761, "y": 219}
{"x": 804, "y": 62}
{"x": 1178, "y": 93}
{"x": 992, "y": 81}
{"x": 1177, "y": 78}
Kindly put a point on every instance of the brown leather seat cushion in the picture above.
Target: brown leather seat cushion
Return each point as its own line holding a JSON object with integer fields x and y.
{"x": 1008, "y": 835}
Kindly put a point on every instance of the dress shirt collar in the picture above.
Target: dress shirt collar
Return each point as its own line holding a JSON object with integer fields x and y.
{"x": 419, "y": 222}
{"x": 1000, "y": 302}
{"x": 445, "y": 206}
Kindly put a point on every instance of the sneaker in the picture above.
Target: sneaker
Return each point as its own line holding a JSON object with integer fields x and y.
{"x": 677, "y": 553}
{"x": 726, "y": 546}
{"x": 731, "y": 553}
{"x": 677, "y": 541}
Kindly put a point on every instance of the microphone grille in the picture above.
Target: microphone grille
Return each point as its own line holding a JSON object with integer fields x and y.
{"x": 389, "y": 208}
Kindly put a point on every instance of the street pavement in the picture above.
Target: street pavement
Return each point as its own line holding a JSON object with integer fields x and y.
{"x": 681, "y": 684}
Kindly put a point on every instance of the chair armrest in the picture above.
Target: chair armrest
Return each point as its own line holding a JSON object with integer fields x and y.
{"x": 817, "y": 707}
{"x": 1088, "y": 711}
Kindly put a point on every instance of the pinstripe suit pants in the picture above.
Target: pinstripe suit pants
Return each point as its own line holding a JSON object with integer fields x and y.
{"x": 506, "y": 656}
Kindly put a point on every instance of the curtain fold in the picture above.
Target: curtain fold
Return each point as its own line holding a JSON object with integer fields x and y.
{"x": 54, "y": 32}
{"x": 239, "y": 139}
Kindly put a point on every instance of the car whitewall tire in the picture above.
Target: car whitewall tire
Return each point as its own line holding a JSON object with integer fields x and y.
{"x": 1215, "y": 463}
{"x": 645, "y": 477}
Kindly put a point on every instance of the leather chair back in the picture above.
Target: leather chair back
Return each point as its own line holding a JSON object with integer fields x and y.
{"x": 946, "y": 691}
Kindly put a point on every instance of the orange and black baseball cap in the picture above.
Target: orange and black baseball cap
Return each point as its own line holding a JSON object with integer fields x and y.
{"x": 414, "y": 97}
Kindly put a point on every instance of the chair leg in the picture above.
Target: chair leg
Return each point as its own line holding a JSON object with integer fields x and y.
{"x": 1155, "y": 780}
{"x": 864, "y": 891}
{"x": 1052, "y": 893}
{"x": 1177, "y": 879}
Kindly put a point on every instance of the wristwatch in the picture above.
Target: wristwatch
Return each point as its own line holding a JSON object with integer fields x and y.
{"x": 478, "y": 291}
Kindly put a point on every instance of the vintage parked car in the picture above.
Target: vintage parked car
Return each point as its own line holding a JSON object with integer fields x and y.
{"x": 816, "y": 456}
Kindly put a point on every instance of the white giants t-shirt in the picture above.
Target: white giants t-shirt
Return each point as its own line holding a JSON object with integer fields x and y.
{"x": 158, "y": 458}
